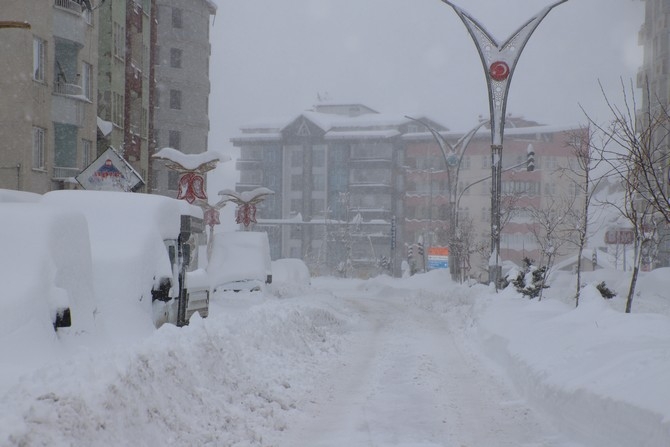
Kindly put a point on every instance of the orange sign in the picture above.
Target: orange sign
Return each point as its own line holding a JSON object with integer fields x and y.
{"x": 438, "y": 251}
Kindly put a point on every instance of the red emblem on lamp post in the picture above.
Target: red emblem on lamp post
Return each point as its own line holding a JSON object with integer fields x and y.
{"x": 499, "y": 71}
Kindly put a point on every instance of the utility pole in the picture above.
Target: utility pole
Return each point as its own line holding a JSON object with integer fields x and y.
{"x": 499, "y": 60}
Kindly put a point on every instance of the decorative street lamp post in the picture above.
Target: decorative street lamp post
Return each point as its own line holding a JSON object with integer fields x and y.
{"x": 246, "y": 202}
{"x": 499, "y": 60}
{"x": 453, "y": 156}
{"x": 192, "y": 168}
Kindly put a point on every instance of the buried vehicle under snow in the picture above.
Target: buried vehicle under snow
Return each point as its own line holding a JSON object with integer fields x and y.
{"x": 240, "y": 261}
{"x": 144, "y": 251}
{"x": 46, "y": 274}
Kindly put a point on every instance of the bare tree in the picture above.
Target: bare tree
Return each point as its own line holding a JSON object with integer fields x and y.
{"x": 580, "y": 171}
{"x": 551, "y": 231}
{"x": 635, "y": 147}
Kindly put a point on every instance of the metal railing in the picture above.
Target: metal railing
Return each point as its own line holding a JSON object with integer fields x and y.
{"x": 64, "y": 173}
{"x": 70, "y": 5}
{"x": 63, "y": 88}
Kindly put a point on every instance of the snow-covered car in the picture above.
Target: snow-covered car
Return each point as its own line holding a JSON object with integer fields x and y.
{"x": 144, "y": 251}
{"x": 240, "y": 261}
{"x": 290, "y": 271}
{"x": 46, "y": 275}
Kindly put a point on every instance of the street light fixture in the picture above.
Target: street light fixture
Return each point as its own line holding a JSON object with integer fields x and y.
{"x": 453, "y": 156}
{"x": 499, "y": 60}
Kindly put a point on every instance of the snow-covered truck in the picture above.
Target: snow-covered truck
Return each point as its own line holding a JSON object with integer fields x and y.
{"x": 144, "y": 251}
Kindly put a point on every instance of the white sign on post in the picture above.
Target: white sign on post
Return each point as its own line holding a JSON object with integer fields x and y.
{"x": 109, "y": 172}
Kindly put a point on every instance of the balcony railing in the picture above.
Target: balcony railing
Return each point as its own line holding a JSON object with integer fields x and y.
{"x": 65, "y": 173}
{"x": 62, "y": 88}
{"x": 70, "y": 5}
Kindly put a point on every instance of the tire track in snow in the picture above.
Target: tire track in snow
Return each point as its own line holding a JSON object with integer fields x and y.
{"x": 405, "y": 381}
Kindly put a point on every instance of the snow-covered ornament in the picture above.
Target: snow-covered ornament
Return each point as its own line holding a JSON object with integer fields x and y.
{"x": 211, "y": 216}
{"x": 191, "y": 187}
{"x": 246, "y": 202}
{"x": 245, "y": 214}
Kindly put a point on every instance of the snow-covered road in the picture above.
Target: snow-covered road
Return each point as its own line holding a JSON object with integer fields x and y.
{"x": 415, "y": 362}
{"x": 406, "y": 379}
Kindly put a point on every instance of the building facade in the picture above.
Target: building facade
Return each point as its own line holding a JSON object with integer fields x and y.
{"x": 125, "y": 92}
{"x": 654, "y": 77}
{"x": 181, "y": 116}
{"x": 336, "y": 171}
{"x": 550, "y": 188}
{"x": 353, "y": 186}
{"x": 48, "y": 78}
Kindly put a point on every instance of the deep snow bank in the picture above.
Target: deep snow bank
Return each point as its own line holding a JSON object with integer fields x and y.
{"x": 226, "y": 380}
{"x": 601, "y": 374}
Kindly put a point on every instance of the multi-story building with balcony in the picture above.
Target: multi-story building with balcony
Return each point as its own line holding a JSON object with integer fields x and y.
{"x": 125, "y": 85}
{"x": 48, "y": 107}
{"x": 336, "y": 172}
{"x": 181, "y": 118}
{"x": 342, "y": 173}
{"x": 549, "y": 188}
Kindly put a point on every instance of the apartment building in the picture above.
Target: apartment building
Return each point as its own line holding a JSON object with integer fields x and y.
{"x": 48, "y": 108}
{"x": 550, "y": 187}
{"x": 125, "y": 86}
{"x": 336, "y": 171}
{"x": 654, "y": 77}
{"x": 181, "y": 116}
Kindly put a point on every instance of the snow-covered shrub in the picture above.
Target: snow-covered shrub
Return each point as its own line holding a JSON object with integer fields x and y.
{"x": 605, "y": 291}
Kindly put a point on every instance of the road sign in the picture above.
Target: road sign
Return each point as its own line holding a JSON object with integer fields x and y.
{"x": 619, "y": 236}
{"x": 438, "y": 258}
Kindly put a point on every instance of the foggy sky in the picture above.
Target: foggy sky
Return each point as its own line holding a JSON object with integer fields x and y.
{"x": 270, "y": 59}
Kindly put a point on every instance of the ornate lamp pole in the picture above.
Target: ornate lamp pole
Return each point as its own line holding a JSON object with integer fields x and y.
{"x": 192, "y": 168}
{"x": 499, "y": 60}
{"x": 453, "y": 156}
{"x": 246, "y": 203}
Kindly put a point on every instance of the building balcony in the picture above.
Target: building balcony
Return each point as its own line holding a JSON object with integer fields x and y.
{"x": 68, "y": 110}
{"x": 75, "y": 6}
{"x": 371, "y": 187}
{"x": 247, "y": 164}
{"x": 62, "y": 88}
{"x": 63, "y": 173}
{"x": 68, "y": 23}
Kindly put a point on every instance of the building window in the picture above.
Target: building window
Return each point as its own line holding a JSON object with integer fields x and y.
{"x": 175, "y": 58}
{"x": 117, "y": 109}
{"x": 319, "y": 156}
{"x": 296, "y": 158}
{"x": 39, "y": 58}
{"x": 173, "y": 181}
{"x": 318, "y": 182}
{"x": 86, "y": 87}
{"x": 119, "y": 38}
{"x": 86, "y": 152}
{"x": 176, "y": 18}
{"x": 174, "y": 139}
{"x": 38, "y": 148}
{"x": 175, "y": 99}
{"x": 296, "y": 182}
{"x": 145, "y": 123}
{"x": 296, "y": 205}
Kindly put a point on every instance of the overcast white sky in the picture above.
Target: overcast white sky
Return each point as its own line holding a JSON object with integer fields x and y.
{"x": 271, "y": 58}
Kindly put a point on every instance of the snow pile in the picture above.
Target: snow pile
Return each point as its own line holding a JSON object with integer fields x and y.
{"x": 226, "y": 380}
{"x": 599, "y": 373}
